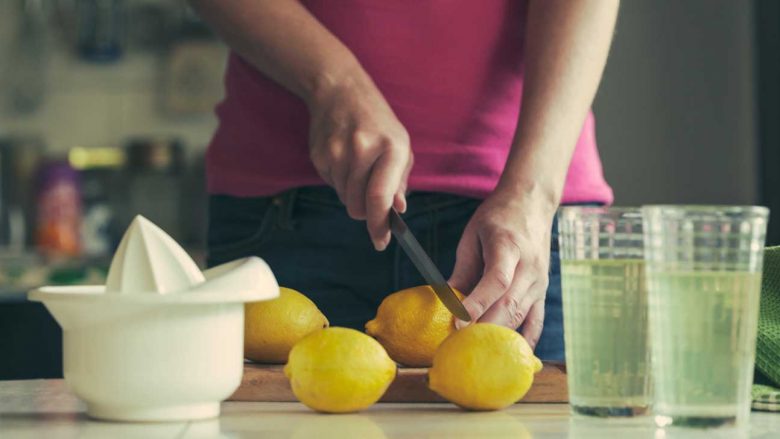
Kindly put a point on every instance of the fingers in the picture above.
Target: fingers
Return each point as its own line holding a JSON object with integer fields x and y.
{"x": 330, "y": 161}
{"x": 500, "y": 259}
{"x": 534, "y": 323}
{"x": 500, "y": 263}
{"x": 355, "y": 199}
{"x": 468, "y": 263}
{"x": 367, "y": 173}
{"x": 399, "y": 202}
{"x": 383, "y": 185}
{"x": 364, "y": 154}
{"x": 512, "y": 309}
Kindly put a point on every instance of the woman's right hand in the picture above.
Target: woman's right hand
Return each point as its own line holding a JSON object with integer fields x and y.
{"x": 357, "y": 144}
{"x": 359, "y": 147}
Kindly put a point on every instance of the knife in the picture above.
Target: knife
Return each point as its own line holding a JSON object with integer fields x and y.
{"x": 426, "y": 267}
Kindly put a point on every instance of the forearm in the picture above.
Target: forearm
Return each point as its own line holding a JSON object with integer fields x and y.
{"x": 566, "y": 48}
{"x": 284, "y": 41}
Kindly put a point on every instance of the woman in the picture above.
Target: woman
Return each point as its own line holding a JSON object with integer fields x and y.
{"x": 413, "y": 105}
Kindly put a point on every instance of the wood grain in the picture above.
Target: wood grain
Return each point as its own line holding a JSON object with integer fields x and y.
{"x": 268, "y": 383}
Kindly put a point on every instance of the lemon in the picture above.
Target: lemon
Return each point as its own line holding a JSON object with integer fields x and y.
{"x": 411, "y": 324}
{"x": 271, "y": 328}
{"x": 483, "y": 367}
{"x": 339, "y": 370}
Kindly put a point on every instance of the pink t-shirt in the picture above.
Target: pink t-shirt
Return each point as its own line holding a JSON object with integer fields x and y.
{"x": 452, "y": 70}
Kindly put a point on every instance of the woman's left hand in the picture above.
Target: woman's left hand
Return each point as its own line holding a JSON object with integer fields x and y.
{"x": 503, "y": 259}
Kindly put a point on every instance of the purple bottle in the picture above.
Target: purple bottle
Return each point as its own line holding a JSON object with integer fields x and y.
{"x": 59, "y": 210}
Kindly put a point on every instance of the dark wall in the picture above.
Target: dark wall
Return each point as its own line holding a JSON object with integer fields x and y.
{"x": 768, "y": 35}
{"x": 676, "y": 111}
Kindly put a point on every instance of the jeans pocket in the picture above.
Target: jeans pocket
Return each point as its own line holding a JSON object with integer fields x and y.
{"x": 237, "y": 227}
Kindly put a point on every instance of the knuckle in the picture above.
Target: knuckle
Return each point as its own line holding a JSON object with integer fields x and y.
{"x": 361, "y": 143}
{"x": 358, "y": 152}
{"x": 403, "y": 136}
{"x": 502, "y": 278}
{"x": 388, "y": 145}
{"x": 508, "y": 239}
{"x": 504, "y": 243}
{"x": 333, "y": 155}
{"x": 360, "y": 138}
{"x": 481, "y": 305}
{"x": 398, "y": 144}
{"x": 512, "y": 306}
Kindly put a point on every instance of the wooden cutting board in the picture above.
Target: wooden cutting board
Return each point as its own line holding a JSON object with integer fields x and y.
{"x": 268, "y": 383}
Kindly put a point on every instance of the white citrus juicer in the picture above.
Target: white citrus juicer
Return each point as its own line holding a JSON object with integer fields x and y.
{"x": 161, "y": 341}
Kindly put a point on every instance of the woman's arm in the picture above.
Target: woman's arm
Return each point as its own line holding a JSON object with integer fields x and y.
{"x": 357, "y": 144}
{"x": 566, "y": 49}
{"x": 504, "y": 252}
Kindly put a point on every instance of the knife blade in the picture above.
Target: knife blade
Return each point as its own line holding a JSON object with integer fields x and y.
{"x": 426, "y": 267}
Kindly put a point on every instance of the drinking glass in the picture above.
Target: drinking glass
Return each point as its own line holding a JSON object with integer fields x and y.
{"x": 605, "y": 310}
{"x": 704, "y": 278}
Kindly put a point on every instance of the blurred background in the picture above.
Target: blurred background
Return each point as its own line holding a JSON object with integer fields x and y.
{"x": 106, "y": 108}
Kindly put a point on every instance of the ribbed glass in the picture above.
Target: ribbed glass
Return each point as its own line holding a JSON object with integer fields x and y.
{"x": 703, "y": 266}
{"x": 605, "y": 310}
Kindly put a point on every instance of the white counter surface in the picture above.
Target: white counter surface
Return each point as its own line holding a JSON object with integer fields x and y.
{"x": 46, "y": 409}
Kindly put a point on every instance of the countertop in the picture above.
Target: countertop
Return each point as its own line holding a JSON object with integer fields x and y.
{"x": 46, "y": 409}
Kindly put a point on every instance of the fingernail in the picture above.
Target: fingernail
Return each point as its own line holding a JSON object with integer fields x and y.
{"x": 460, "y": 324}
{"x": 381, "y": 245}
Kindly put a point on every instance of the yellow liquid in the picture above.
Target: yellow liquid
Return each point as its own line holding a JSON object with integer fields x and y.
{"x": 605, "y": 329}
{"x": 703, "y": 326}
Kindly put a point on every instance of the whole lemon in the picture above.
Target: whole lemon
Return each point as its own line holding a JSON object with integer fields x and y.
{"x": 411, "y": 324}
{"x": 483, "y": 367}
{"x": 271, "y": 328}
{"x": 339, "y": 370}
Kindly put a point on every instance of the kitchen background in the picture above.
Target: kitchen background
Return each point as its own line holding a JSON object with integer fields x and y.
{"x": 108, "y": 105}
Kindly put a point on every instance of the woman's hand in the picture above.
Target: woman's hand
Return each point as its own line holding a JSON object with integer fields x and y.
{"x": 356, "y": 142}
{"x": 503, "y": 260}
{"x": 359, "y": 147}
{"x": 505, "y": 250}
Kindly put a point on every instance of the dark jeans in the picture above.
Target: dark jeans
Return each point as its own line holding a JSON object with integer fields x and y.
{"x": 312, "y": 246}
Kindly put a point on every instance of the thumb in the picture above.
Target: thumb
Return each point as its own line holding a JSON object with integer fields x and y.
{"x": 468, "y": 264}
{"x": 468, "y": 267}
{"x": 399, "y": 200}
